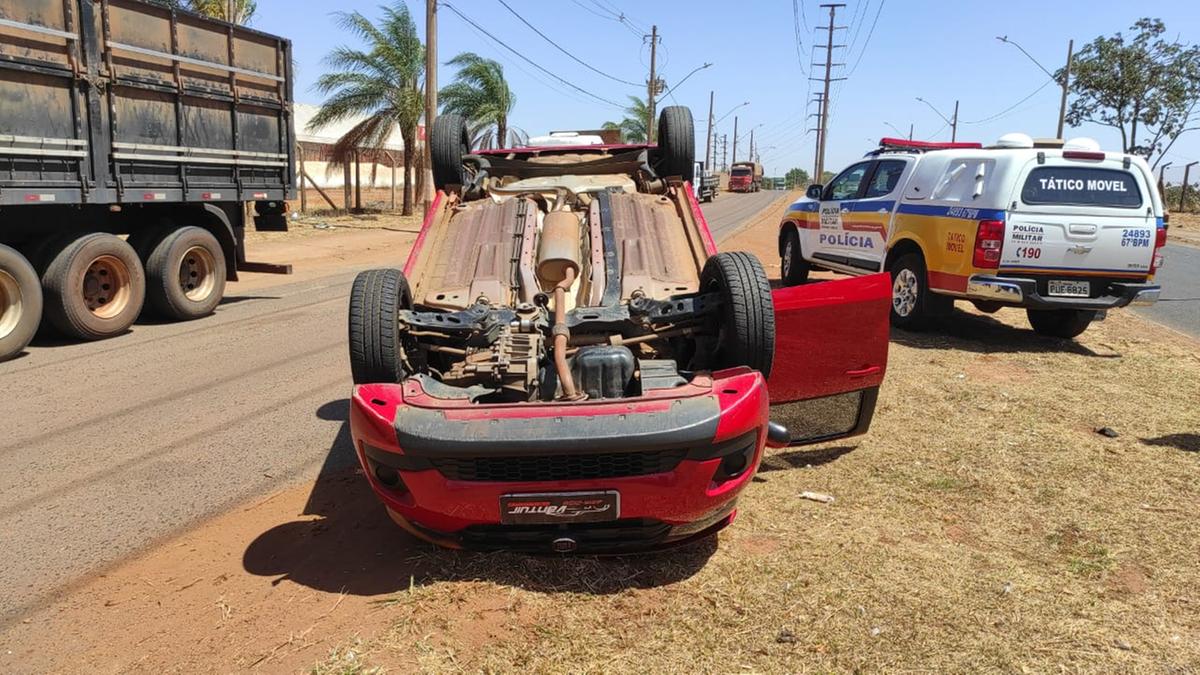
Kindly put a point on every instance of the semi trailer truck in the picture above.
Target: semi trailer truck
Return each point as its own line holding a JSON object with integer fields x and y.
{"x": 133, "y": 140}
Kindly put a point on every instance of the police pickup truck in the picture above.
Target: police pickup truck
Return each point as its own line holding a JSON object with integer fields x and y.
{"x": 1064, "y": 230}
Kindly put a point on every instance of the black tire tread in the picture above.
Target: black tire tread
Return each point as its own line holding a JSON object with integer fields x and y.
{"x": 751, "y": 316}
{"x": 161, "y": 275}
{"x": 449, "y": 138}
{"x": 1060, "y": 323}
{"x": 30, "y": 287}
{"x": 677, "y": 143}
{"x": 798, "y": 274}
{"x": 374, "y": 342}
{"x": 60, "y": 308}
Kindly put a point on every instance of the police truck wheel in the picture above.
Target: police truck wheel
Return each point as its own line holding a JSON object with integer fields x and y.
{"x": 375, "y": 347}
{"x": 94, "y": 287}
{"x": 449, "y": 140}
{"x": 914, "y": 306}
{"x": 793, "y": 267}
{"x": 185, "y": 273}
{"x": 746, "y": 326}
{"x": 676, "y": 143}
{"x": 20, "y": 302}
{"x": 1060, "y": 323}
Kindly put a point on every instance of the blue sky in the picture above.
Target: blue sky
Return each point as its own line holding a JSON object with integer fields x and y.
{"x": 941, "y": 51}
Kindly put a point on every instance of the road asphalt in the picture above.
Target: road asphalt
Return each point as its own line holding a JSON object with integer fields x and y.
{"x": 110, "y": 446}
{"x": 1179, "y": 306}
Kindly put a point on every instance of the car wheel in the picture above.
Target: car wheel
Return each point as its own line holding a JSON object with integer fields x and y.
{"x": 375, "y": 351}
{"x": 94, "y": 287}
{"x": 20, "y": 302}
{"x": 1060, "y": 323}
{"x": 914, "y": 306}
{"x": 676, "y": 143}
{"x": 449, "y": 140}
{"x": 746, "y": 326}
{"x": 185, "y": 272}
{"x": 794, "y": 268}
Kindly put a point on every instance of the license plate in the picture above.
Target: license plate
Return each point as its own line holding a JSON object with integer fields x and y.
{"x": 1071, "y": 289}
{"x": 554, "y": 508}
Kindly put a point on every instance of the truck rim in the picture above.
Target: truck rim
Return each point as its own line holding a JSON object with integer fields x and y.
{"x": 904, "y": 292}
{"x": 107, "y": 287}
{"x": 196, "y": 273}
{"x": 10, "y": 304}
{"x": 787, "y": 257}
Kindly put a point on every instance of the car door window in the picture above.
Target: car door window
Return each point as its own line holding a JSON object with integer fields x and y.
{"x": 848, "y": 183}
{"x": 886, "y": 177}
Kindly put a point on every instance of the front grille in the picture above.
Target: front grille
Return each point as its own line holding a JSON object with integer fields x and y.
{"x": 558, "y": 467}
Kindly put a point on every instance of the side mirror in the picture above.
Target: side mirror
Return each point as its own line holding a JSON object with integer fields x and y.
{"x": 814, "y": 191}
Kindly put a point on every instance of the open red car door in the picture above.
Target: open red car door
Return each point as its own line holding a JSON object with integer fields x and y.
{"x": 831, "y": 342}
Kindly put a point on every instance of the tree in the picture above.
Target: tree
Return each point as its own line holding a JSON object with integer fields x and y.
{"x": 243, "y": 10}
{"x": 481, "y": 95}
{"x": 796, "y": 178}
{"x": 633, "y": 127}
{"x": 382, "y": 84}
{"x": 1144, "y": 86}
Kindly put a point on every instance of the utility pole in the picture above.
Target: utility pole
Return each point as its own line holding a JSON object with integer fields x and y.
{"x": 751, "y": 157}
{"x": 651, "y": 85}
{"x": 708, "y": 136}
{"x": 910, "y": 131}
{"x": 735, "y": 139}
{"x": 824, "y": 126}
{"x": 431, "y": 93}
{"x": 954, "y": 123}
{"x": 724, "y": 152}
{"x": 1187, "y": 170}
{"x": 1062, "y": 108}
{"x": 817, "y": 145}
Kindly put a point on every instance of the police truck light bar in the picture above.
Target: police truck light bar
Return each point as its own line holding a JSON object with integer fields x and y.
{"x": 888, "y": 142}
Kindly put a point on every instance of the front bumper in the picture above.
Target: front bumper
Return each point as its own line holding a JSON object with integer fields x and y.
{"x": 441, "y": 466}
{"x": 1024, "y": 292}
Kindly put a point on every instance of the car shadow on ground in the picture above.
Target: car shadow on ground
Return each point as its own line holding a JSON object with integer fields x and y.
{"x": 803, "y": 459}
{"x": 985, "y": 335}
{"x": 344, "y": 542}
{"x": 1185, "y": 442}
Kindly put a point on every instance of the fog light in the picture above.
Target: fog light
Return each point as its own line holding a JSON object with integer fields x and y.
{"x": 734, "y": 464}
{"x": 389, "y": 477}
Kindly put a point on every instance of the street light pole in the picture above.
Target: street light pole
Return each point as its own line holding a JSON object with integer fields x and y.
{"x": 1062, "y": 107}
{"x": 708, "y": 135}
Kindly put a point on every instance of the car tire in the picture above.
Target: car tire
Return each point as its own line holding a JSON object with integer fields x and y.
{"x": 1060, "y": 323}
{"x": 375, "y": 347}
{"x": 914, "y": 306}
{"x": 449, "y": 140}
{"x": 676, "y": 143}
{"x": 94, "y": 287}
{"x": 20, "y": 302}
{"x": 746, "y": 328}
{"x": 793, "y": 267}
{"x": 185, "y": 273}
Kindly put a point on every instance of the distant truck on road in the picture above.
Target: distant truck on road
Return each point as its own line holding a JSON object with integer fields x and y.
{"x": 127, "y": 118}
{"x": 745, "y": 177}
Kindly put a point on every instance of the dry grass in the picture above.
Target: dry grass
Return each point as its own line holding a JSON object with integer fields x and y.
{"x": 1185, "y": 229}
{"x": 983, "y": 524}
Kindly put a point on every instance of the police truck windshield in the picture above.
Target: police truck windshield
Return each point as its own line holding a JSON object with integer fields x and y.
{"x": 1081, "y": 186}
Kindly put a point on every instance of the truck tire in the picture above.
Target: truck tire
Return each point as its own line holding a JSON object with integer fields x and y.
{"x": 793, "y": 268}
{"x": 914, "y": 306}
{"x": 185, "y": 273}
{"x": 449, "y": 140}
{"x": 375, "y": 348}
{"x": 94, "y": 287}
{"x": 20, "y": 302}
{"x": 676, "y": 143}
{"x": 746, "y": 326}
{"x": 1060, "y": 323}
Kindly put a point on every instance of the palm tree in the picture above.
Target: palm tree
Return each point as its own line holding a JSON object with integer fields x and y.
{"x": 381, "y": 83}
{"x": 242, "y": 10}
{"x": 481, "y": 95}
{"x": 633, "y": 127}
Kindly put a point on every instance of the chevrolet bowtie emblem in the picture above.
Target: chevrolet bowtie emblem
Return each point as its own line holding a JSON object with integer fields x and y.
{"x": 1080, "y": 249}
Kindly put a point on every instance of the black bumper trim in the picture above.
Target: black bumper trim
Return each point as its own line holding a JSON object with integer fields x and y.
{"x": 1121, "y": 294}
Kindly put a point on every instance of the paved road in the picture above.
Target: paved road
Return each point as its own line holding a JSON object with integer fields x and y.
{"x": 731, "y": 209}
{"x": 1180, "y": 279}
{"x": 111, "y": 445}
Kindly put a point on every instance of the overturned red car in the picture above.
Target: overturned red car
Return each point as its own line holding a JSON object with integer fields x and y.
{"x": 567, "y": 364}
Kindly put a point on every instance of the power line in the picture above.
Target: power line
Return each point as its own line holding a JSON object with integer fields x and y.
{"x": 1012, "y": 107}
{"x": 868, "y": 40}
{"x": 796, "y": 36}
{"x": 500, "y": 42}
{"x": 559, "y": 48}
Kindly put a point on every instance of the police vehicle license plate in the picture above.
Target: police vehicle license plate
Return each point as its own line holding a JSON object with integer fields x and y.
{"x": 1071, "y": 289}
{"x": 559, "y": 508}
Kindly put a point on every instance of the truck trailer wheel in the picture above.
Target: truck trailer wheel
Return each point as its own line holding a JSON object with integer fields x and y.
{"x": 746, "y": 328}
{"x": 1060, "y": 323}
{"x": 185, "y": 273}
{"x": 20, "y": 302}
{"x": 793, "y": 267}
{"x": 375, "y": 348}
{"x": 676, "y": 143}
{"x": 449, "y": 140}
{"x": 94, "y": 287}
